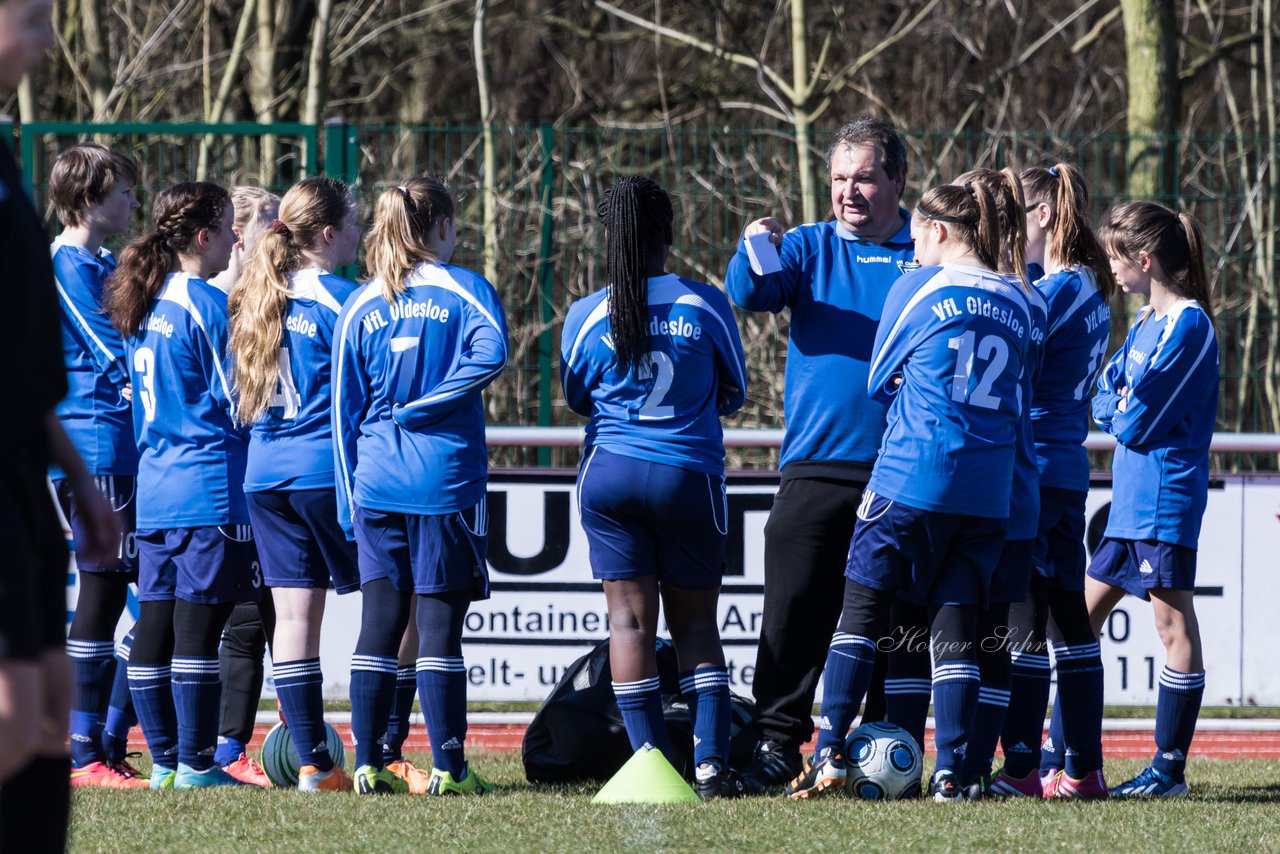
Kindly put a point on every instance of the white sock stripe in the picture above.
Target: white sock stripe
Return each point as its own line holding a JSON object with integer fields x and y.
{"x": 956, "y": 677}
{"x": 290, "y": 671}
{"x": 840, "y": 639}
{"x": 1017, "y": 656}
{"x": 90, "y": 650}
{"x": 433, "y": 665}
{"x": 405, "y": 669}
{"x": 374, "y": 664}
{"x": 1195, "y": 683}
{"x": 195, "y": 665}
{"x": 146, "y": 674}
{"x": 717, "y": 678}
{"x": 122, "y": 652}
{"x": 955, "y": 666}
{"x": 640, "y": 687}
{"x": 993, "y": 696}
{"x": 902, "y": 680}
{"x": 1084, "y": 650}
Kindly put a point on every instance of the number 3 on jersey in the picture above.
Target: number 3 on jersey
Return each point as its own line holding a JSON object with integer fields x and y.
{"x": 994, "y": 350}
{"x": 144, "y": 362}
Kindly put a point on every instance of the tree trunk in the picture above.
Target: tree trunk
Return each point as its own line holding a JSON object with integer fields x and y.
{"x": 801, "y": 91}
{"x": 95, "y": 50}
{"x": 318, "y": 67}
{"x": 489, "y": 190}
{"x": 1154, "y": 101}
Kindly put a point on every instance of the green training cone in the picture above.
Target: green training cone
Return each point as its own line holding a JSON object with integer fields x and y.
{"x": 647, "y": 778}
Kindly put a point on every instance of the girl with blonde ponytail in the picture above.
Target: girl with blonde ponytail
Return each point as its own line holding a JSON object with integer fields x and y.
{"x": 1158, "y": 395}
{"x": 415, "y": 348}
{"x": 949, "y": 355}
{"x": 1074, "y": 278}
{"x": 284, "y": 308}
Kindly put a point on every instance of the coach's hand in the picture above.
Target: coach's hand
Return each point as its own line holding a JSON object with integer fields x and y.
{"x": 767, "y": 224}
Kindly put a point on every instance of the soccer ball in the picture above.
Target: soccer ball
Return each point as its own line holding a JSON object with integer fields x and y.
{"x": 884, "y": 763}
{"x": 280, "y": 756}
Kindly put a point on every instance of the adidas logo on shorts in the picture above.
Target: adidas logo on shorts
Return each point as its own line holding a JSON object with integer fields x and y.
{"x": 1146, "y": 568}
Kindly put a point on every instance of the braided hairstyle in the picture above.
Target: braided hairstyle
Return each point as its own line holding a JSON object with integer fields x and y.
{"x": 179, "y": 214}
{"x": 638, "y": 217}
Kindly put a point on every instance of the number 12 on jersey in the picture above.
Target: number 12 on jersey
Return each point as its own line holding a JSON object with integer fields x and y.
{"x": 991, "y": 349}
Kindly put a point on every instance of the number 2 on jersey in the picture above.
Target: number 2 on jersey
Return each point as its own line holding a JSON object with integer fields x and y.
{"x": 1095, "y": 362}
{"x": 992, "y": 348}
{"x": 657, "y": 365}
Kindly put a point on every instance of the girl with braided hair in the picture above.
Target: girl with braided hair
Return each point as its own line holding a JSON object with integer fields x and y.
{"x": 948, "y": 359}
{"x": 654, "y": 361}
{"x": 284, "y": 308}
{"x": 195, "y": 548}
{"x": 414, "y": 350}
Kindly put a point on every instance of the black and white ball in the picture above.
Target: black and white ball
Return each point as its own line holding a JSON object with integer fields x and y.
{"x": 884, "y": 763}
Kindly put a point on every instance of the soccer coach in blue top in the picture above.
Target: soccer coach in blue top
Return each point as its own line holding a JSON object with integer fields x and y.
{"x": 833, "y": 280}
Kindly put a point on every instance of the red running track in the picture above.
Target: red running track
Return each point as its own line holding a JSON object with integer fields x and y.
{"x": 1115, "y": 745}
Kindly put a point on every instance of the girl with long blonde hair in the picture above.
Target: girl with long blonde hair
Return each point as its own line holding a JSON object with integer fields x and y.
{"x": 283, "y": 311}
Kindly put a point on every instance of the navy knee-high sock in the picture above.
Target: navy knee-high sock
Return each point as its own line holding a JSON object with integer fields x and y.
{"x": 384, "y": 614}
{"x": 1080, "y": 698}
{"x": 299, "y": 686}
{"x": 1053, "y": 752}
{"x": 442, "y": 678}
{"x": 994, "y": 668}
{"x": 92, "y": 671}
{"x": 150, "y": 682}
{"x": 850, "y": 661}
{"x": 706, "y": 690}
{"x": 401, "y": 714}
{"x": 641, "y": 706}
{"x": 1024, "y": 720}
{"x": 197, "y": 683}
{"x": 120, "y": 714}
{"x": 956, "y": 683}
{"x": 1177, "y": 708}
{"x": 908, "y": 684}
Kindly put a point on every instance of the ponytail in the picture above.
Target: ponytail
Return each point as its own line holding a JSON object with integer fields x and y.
{"x": 996, "y": 229}
{"x": 1071, "y": 239}
{"x": 179, "y": 213}
{"x": 400, "y": 238}
{"x": 260, "y": 297}
{"x": 637, "y": 217}
{"x": 1173, "y": 239}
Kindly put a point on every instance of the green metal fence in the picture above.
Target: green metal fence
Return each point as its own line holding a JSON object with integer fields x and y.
{"x": 550, "y": 179}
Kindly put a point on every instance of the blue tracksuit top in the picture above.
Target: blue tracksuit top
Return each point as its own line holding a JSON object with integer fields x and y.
{"x": 1167, "y": 372}
{"x": 192, "y": 455}
{"x": 667, "y": 410}
{"x": 834, "y": 285}
{"x": 1074, "y": 350}
{"x": 291, "y": 445}
{"x": 957, "y": 337}
{"x": 1024, "y": 501}
{"x": 408, "y": 416}
{"x": 94, "y": 413}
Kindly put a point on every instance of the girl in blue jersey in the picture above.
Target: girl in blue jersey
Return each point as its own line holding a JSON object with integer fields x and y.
{"x": 415, "y": 348}
{"x": 1158, "y": 395}
{"x": 1077, "y": 285}
{"x": 949, "y": 355}
{"x": 655, "y": 360}
{"x": 91, "y": 188}
{"x": 283, "y": 310}
{"x": 196, "y": 554}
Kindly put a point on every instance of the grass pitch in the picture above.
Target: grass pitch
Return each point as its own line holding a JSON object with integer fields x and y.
{"x": 1235, "y": 805}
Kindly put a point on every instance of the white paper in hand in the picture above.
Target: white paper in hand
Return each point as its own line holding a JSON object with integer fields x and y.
{"x": 763, "y": 254}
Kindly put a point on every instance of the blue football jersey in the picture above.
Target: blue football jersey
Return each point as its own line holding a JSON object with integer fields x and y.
{"x": 833, "y": 285}
{"x": 956, "y": 339}
{"x": 408, "y": 416}
{"x": 94, "y": 413}
{"x": 192, "y": 455}
{"x": 1075, "y": 348}
{"x": 1024, "y": 501}
{"x": 1167, "y": 375}
{"x": 667, "y": 410}
{"x": 291, "y": 446}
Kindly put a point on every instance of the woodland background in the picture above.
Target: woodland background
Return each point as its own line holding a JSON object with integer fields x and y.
{"x": 530, "y": 108}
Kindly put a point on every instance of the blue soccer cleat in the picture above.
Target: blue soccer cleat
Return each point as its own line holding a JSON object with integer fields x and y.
{"x": 1151, "y": 783}
{"x": 162, "y": 777}
{"x": 189, "y": 778}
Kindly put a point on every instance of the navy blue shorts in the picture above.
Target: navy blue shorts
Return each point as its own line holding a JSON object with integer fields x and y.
{"x": 1060, "y": 555}
{"x": 300, "y": 541}
{"x": 210, "y": 565}
{"x": 121, "y": 490}
{"x": 643, "y": 518}
{"x": 1139, "y": 565}
{"x": 425, "y": 554}
{"x": 928, "y": 558}
{"x": 1011, "y": 582}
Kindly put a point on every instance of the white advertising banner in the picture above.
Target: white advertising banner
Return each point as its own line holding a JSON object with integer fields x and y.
{"x": 546, "y": 610}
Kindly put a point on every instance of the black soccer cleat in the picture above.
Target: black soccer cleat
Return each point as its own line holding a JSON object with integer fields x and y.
{"x": 944, "y": 789}
{"x": 979, "y": 789}
{"x": 711, "y": 781}
{"x": 772, "y": 764}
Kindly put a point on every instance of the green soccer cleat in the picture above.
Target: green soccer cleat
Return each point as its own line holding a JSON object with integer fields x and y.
{"x": 162, "y": 777}
{"x": 442, "y": 783}
{"x": 378, "y": 781}
{"x": 187, "y": 777}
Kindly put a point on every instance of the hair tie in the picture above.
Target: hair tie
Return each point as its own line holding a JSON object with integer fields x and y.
{"x": 968, "y": 187}
{"x": 404, "y": 191}
{"x": 1053, "y": 170}
{"x": 278, "y": 227}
